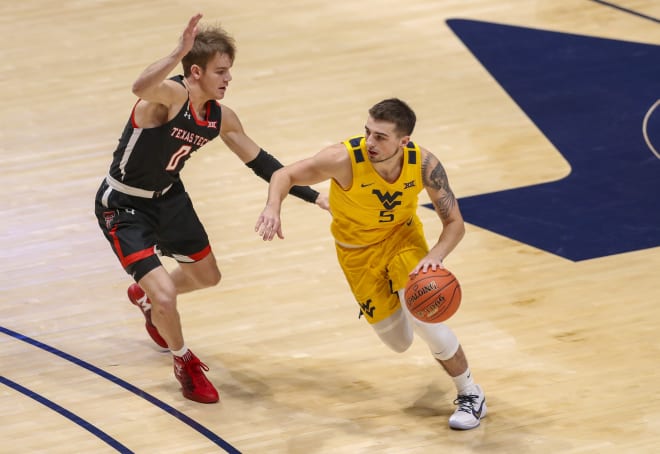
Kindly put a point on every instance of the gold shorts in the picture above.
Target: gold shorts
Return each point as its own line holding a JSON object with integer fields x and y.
{"x": 375, "y": 273}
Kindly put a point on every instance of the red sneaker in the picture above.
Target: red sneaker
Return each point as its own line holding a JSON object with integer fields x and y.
{"x": 194, "y": 384}
{"x": 139, "y": 298}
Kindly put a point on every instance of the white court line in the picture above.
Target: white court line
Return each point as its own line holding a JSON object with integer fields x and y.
{"x": 645, "y": 128}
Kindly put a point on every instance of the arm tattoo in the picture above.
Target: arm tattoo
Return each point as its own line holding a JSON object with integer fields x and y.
{"x": 437, "y": 179}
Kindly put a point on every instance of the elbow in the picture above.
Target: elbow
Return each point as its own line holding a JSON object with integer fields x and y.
{"x": 137, "y": 89}
{"x": 461, "y": 230}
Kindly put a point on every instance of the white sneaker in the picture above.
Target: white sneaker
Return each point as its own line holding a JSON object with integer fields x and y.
{"x": 471, "y": 409}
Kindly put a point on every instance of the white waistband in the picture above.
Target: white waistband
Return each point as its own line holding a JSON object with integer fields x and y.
{"x": 130, "y": 190}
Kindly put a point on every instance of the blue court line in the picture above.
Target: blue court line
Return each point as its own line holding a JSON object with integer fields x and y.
{"x": 626, "y": 10}
{"x": 127, "y": 386}
{"x": 66, "y": 413}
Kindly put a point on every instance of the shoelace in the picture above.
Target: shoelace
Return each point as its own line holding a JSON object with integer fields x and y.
{"x": 465, "y": 402}
{"x": 195, "y": 366}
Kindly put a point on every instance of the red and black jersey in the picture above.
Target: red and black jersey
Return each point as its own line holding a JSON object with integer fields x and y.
{"x": 151, "y": 158}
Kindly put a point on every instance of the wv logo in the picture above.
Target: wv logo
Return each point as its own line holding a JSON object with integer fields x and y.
{"x": 388, "y": 200}
{"x": 367, "y": 309}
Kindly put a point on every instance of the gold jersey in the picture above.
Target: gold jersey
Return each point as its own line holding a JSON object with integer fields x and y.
{"x": 368, "y": 211}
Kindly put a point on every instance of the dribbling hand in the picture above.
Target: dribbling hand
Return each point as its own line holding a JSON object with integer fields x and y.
{"x": 427, "y": 263}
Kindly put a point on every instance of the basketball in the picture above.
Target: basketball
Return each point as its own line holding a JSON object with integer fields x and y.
{"x": 434, "y": 296}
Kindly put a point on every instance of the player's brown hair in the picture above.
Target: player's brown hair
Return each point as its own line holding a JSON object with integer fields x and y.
{"x": 395, "y": 111}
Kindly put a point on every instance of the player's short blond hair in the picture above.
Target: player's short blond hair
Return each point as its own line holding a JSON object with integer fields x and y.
{"x": 209, "y": 41}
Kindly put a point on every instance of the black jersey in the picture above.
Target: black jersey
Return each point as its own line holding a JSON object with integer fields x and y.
{"x": 151, "y": 158}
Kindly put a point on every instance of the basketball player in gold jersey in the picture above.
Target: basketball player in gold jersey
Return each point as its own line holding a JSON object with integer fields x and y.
{"x": 375, "y": 182}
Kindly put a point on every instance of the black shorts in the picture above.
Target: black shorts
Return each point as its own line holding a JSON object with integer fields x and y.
{"x": 140, "y": 229}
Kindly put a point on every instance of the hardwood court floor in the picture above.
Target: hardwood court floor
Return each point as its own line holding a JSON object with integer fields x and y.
{"x": 566, "y": 351}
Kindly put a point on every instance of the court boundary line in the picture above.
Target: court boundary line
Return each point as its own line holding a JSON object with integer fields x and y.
{"x": 88, "y": 426}
{"x": 127, "y": 386}
{"x": 627, "y": 10}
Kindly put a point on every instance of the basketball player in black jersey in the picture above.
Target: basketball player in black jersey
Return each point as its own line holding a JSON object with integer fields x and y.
{"x": 142, "y": 206}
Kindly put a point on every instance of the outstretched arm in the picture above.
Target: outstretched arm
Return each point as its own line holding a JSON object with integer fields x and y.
{"x": 446, "y": 206}
{"x": 260, "y": 161}
{"x": 332, "y": 162}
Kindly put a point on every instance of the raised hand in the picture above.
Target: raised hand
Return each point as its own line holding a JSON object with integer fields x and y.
{"x": 188, "y": 37}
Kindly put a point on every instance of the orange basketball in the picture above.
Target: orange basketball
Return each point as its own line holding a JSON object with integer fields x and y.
{"x": 433, "y": 296}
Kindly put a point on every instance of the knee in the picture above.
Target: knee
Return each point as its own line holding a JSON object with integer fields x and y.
{"x": 162, "y": 297}
{"x": 211, "y": 278}
{"x": 398, "y": 345}
{"x": 205, "y": 276}
{"x": 395, "y": 332}
{"x": 163, "y": 301}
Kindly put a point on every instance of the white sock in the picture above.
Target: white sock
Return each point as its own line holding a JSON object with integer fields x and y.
{"x": 181, "y": 353}
{"x": 464, "y": 381}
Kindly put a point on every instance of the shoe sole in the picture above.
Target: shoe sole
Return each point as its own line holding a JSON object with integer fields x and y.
{"x": 484, "y": 412}
{"x": 201, "y": 400}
